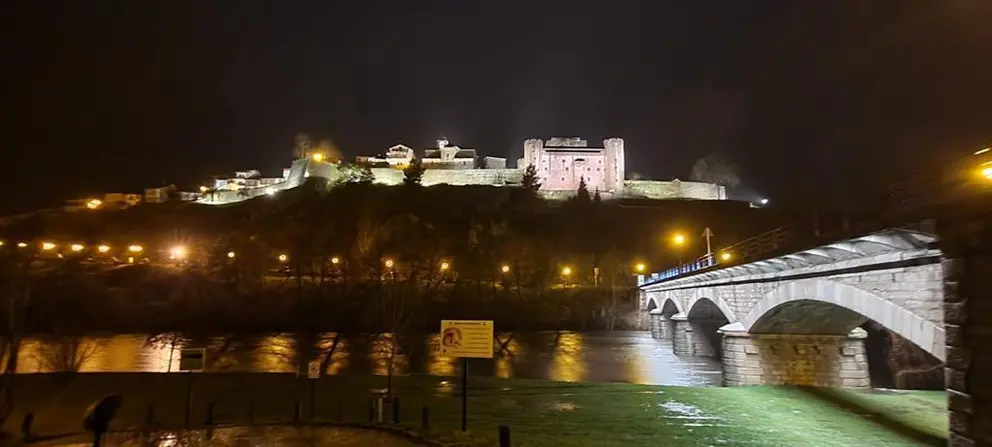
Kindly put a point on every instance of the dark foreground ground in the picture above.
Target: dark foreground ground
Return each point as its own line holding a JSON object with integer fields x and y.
{"x": 539, "y": 413}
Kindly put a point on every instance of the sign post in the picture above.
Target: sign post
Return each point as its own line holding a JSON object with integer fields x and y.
{"x": 190, "y": 360}
{"x": 466, "y": 339}
{"x": 313, "y": 372}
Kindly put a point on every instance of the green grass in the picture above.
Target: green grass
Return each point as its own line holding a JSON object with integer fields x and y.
{"x": 539, "y": 412}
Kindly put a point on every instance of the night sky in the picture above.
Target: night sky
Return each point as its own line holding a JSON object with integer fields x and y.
{"x": 814, "y": 100}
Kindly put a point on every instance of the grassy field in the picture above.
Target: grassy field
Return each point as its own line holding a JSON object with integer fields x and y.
{"x": 540, "y": 413}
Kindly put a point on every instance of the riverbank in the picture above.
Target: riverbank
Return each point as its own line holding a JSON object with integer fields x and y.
{"x": 539, "y": 412}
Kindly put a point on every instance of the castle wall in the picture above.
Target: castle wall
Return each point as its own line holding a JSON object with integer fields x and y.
{"x": 653, "y": 189}
{"x": 497, "y": 177}
{"x": 564, "y": 171}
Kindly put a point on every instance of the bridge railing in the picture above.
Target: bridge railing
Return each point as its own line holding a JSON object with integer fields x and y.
{"x": 914, "y": 197}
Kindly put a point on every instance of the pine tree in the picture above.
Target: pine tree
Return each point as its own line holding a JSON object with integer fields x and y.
{"x": 530, "y": 179}
{"x": 582, "y": 194}
{"x": 413, "y": 174}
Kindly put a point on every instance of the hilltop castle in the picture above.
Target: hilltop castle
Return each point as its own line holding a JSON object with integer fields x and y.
{"x": 561, "y": 164}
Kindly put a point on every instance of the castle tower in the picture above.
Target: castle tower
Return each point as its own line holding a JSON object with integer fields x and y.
{"x": 615, "y": 164}
{"x": 532, "y": 153}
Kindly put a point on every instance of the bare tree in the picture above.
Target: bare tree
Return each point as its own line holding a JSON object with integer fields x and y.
{"x": 715, "y": 168}
{"x": 65, "y": 354}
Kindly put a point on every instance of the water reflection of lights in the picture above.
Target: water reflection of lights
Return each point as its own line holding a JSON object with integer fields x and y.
{"x": 382, "y": 348}
{"x": 504, "y": 358}
{"x": 340, "y": 356}
{"x": 437, "y": 364}
{"x": 567, "y": 364}
{"x": 276, "y": 353}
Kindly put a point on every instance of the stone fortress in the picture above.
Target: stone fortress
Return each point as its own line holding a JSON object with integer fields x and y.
{"x": 561, "y": 164}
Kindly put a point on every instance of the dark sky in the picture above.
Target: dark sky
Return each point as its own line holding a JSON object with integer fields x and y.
{"x": 814, "y": 100}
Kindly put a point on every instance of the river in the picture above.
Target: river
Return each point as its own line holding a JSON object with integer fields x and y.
{"x": 632, "y": 357}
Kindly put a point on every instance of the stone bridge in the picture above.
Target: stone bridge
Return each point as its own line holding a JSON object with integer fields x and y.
{"x": 795, "y": 319}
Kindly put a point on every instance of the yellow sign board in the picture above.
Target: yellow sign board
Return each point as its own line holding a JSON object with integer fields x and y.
{"x": 467, "y": 338}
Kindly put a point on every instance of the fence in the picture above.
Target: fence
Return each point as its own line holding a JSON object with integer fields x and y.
{"x": 197, "y": 407}
{"x": 901, "y": 204}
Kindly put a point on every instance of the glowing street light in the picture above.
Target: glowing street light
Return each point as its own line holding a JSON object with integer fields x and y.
{"x": 283, "y": 258}
{"x": 389, "y": 263}
{"x": 22, "y": 244}
{"x": 230, "y": 254}
{"x": 317, "y": 157}
{"x": 103, "y": 248}
{"x": 94, "y": 203}
{"x": 1, "y": 243}
{"x": 763, "y": 201}
{"x": 678, "y": 239}
{"x": 505, "y": 268}
{"x": 177, "y": 252}
{"x": 987, "y": 172}
{"x": 335, "y": 260}
{"x": 135, "y": 248}
{"x": 204, "y": 189}
{"x": 566, "y": 271}
{"x": 130, "y": 259}
{"x": 47, "y": 246}
{"x": 76, "y": 247}
{"x": 725, "y": 256}
{"x": 445, "y": 266}
{"x": 640, "y": 267}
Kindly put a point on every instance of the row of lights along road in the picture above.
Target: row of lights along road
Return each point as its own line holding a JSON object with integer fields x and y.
{"x": 179, "y": 252}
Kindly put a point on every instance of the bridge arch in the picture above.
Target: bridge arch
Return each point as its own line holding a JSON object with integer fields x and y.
{"x": 663, "y": 306}
{"x": 823, "y": 307}
{"x": 703, "y": 304}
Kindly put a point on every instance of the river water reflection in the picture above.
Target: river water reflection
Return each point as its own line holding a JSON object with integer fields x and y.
{"x": 632, "y": 357}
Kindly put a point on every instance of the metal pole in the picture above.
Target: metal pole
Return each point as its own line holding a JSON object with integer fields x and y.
{"x": 313, "y": 403}
{"x": 464, "y": 393}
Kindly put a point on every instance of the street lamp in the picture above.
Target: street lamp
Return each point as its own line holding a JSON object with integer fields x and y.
{"x": 76, "y": 247}
{"x": 505, "y": 268}
{"x": 230, "y": 254}
{"x": 335, "y": 260}
{"x": 135, "y": 248}
{"x": 389, "y": 263}
{"x": 103, "y": 248}
{"x": 679, "y": 240}
{"x": 283, "y": 257}
{"x": 987, "y": 172}
{"x": 640, "y": 267}
{"x": 47, "y": 246}
{"x": 317, "y": 157}
{"x": 177, "y": 252}
{"x": 94, "y": 203}
{"x": 445, "y": 266}
{"x": 566, "y": 271}
{"x": 725, "y": 256}
{"x": 22, "y": 244}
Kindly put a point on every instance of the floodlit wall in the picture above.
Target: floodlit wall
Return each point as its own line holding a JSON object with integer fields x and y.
{"x": 677, "y": 189}
{"x": 458, "y": 177}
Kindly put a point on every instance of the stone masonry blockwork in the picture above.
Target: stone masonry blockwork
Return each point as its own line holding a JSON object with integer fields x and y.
{"x": 787, "y": 359}
{"x": 966, "y": 242}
